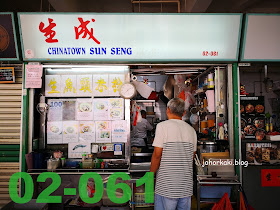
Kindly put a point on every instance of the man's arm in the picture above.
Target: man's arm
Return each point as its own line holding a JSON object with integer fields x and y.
{"x": 156, "y": 159}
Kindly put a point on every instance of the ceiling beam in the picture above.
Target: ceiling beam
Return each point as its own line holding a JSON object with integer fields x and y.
{"x": 197, "y": 5}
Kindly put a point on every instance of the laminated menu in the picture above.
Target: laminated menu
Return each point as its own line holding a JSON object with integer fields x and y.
{"x": 87, "y": 131}
{"x": 101, "y": 109}
{"x": 55, "y": 110}
{"x": 68, "y": 110}
{"x": 76, "y": 149}
{"x": 70, "y": 131}
{"x": 54, "y": 132}
{"x": 84, "y": 109}
{"x": 103, "y": 131}
{"x": 119, "y": 131}
{"x": 116, "y": 108}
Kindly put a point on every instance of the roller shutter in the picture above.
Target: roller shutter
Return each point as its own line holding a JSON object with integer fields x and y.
{"x": 10, "y": 123}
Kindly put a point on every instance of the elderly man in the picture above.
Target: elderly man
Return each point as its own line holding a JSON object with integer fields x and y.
{"x": 175, "y": 146}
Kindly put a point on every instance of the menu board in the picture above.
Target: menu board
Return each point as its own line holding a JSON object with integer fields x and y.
{"x": 52, "y": 85}
{"x": 7, "y": 75}
{"x": 69, "y": 109}
{"x": 68, "y": 85}
{"x": 54, "y": 132}
{"x": 87, "y": 131}
{"x": 103, "y": 131}
{"x": 101, "y": 109}
{"x": 70, "y": 131}
{"x": 116, "y": 108}
{"x": 84, "y": 109}
{"x": 55, "y": 110}
{"x": 119, "y": 131}
{"x": 84, "y": 85}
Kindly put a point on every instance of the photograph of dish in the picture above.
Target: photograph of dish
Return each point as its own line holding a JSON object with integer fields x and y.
{"x": 102, "y": 125}
{"x": 260, "y": 134}
{"x": 241, "y": 108}
{"x": 249, "y": 108}
{"x": 115, "y": 113}
{"x": 259, "y": 123}
{"x": 250, "y": 129}
{"x": 115, "y": 103}
{"x": 79, "y": 146}
{"x": 85, "y": 107}
{"x": 54, "y": 129}
{"x": 250, "y": 156}
{"x": 105, "y": 134}
{"x": 265, "y": 154}
{"x": 258, "y": 154}
{"x": 86, "y": 129}
{"x": 100, "y": 105}
{"x": 259, "y": 108}
{"x": 69, "y": 130}
{"x": 243, "y": 123}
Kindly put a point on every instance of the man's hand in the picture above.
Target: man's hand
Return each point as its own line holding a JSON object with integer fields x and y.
{"x": 156, "y": 159}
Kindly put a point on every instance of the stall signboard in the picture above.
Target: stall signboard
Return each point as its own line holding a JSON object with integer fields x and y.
{"x": 8, "y": 40}
{"x": 261, "y": 41}
{"x": 7, "y": 75}
{"x": 126, "y": 37}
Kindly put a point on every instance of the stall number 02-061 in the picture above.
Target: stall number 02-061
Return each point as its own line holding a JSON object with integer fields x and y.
{"x": 210, "y": 53}
{"x": 45, "y": 197}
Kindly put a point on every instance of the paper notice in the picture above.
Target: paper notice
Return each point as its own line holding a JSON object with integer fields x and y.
{"x": 69, "y": 110}
{"x": 55, "y": 110}
{"x": 76, "y": 149}
{"x": 70, "y": 131}
{"x": 103, "y": 131}
{"x": 84, "y": 109}
{"x": 87, "y": 131}
{"x": 54, "y": 132}
{"x": 33, "y": 74}
{"x": 119, "y": 131}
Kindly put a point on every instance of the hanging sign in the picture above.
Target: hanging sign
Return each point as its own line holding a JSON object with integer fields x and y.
{"x": 7, "y": 75}
{"x": 130, "y": 37}
{"x": 8, "y": 41}
{"x": 261, "y": 40}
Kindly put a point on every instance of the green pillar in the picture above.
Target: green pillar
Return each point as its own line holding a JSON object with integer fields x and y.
{"x": 235, "y": 81}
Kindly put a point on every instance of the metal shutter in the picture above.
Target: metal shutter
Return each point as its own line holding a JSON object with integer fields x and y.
{"x": 10, "y": 122}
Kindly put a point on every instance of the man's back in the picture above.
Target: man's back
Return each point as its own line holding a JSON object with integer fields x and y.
{"x": 178, "y": 140}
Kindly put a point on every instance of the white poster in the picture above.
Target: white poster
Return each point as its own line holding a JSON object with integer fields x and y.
{"x": 68, "y": 85}
{"x": 54, "y": 132}
{"x": 70, "y": 131}
{"x": 69, "y": 110}
{"x": 84, "y": 85}
{"x": 101, "y": 109}
{"x": 55, "y": 110}
{"x": 100, "y": 84}
{"x": 87, "y": 131}
{"x": 116, "y": 108}
{"x": 103, "y": 131}
{"x": 76, "y": 149}
{"x": 52, "y": 85}
{"x": 119, "y": 131}
{"x": 115, "y": 81}
{"x": 84, "y": 109}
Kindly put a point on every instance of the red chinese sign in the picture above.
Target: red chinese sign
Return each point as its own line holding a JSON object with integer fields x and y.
{"x": 48, "y": 31}
{"x": 270, "y": 177}
{"x": 82, "y": 29}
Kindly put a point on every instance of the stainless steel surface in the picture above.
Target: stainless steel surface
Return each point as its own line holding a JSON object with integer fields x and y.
{"x": 139, "y": 167}
{"x": 230, "y": 114}
{"x": 206, "y": 142}
{"x": 141, "y": 154}
{"x": 31, "y": 119}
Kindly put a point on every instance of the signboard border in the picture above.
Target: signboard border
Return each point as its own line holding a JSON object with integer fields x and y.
{"x": 15, "y": 38}
{"x": 242, "y": 59}
{"x": 134, "y": 60}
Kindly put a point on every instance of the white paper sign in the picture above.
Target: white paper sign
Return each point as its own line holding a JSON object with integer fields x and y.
{"x": 116, "y": 108}
{"x": 52, "y": 85}
{"x": 55, "y": 110}
{"x": 70, "y": 131}
{"x": 101, "y": 109}
{"x": 119, "y": 131}
{"x": 68, "y": 85}
{"x": 103, "y": 131}
{"x": 87, "y": 131}
{"x": 100, "y": 84}
{"x": 84, "y": 109}
{"x": 69, "y": 110}
{"x": 76, "y": 149}
{"x": 115, "y": 81}
{"x": 54, "y": 132}
{"x": 84, "y": 85}
{"x": 33, "y": 74}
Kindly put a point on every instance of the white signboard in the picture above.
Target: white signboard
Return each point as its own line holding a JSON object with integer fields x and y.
{"x": 261, "y": 38}
{"x": 130, "y": 37}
